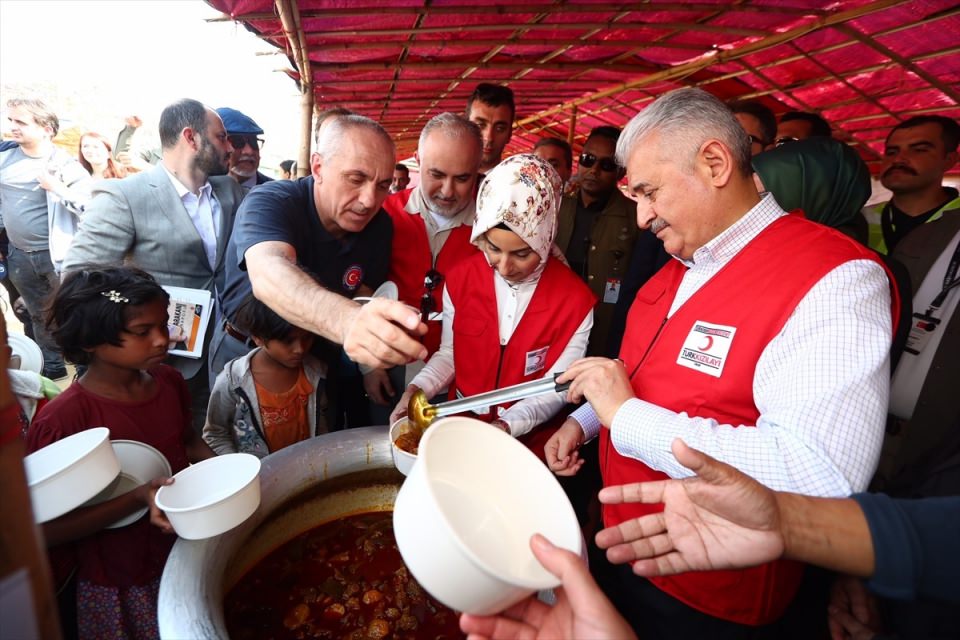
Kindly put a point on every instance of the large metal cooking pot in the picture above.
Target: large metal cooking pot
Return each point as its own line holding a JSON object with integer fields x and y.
{"x": 302, "y": 486}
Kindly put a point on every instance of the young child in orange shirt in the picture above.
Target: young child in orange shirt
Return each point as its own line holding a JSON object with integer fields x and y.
{"x": 272, "y": 397}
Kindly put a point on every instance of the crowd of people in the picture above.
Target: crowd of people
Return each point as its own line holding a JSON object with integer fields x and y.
{"x": 735, "y": 295}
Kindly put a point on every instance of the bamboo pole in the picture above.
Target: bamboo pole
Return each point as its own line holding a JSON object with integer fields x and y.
{"x": 292, "y": 29}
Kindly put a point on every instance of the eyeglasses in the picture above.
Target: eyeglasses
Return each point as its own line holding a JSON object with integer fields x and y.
{"x": 239, "y": 141}
{"x": 786, "y": 140}
{"x": 428, "y": 305}
{"x": 755, "y": 140}
{"x": 606, "y": 164}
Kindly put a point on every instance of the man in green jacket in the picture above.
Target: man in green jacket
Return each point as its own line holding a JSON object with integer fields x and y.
{"x": 597, "y": 229}
{"x": 917, "y": 153}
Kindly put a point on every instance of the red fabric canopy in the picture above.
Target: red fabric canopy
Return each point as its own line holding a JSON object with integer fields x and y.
{"x": 863, "y": 65}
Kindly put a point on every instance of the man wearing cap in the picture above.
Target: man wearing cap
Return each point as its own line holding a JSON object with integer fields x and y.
{"x": 242, "y": 133}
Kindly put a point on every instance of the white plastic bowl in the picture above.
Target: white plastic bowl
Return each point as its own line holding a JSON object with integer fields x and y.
{"x": 213, "y": 496}
{"x": 464, "y": 517}
{"x": 31, "y": 357}
{"x": 65, "y": 474}
{"x": 402, "y": 460}
{"x": 139, "y": 464}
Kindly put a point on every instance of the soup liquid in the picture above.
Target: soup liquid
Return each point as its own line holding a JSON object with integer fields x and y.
{"x": 344, "y": 579}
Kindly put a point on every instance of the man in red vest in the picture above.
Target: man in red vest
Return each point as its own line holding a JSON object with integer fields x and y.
{"x": 431, "y": 230}
{"x": 765, "y": 344}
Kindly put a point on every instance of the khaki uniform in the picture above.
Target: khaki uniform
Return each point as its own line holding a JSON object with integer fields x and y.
{"x": 612, "y": 238}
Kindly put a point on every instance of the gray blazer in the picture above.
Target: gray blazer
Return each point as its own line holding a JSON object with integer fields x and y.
{"x": 141, "y": 221}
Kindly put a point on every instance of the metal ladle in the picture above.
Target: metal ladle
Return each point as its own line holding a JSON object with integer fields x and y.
{"x": 421, "y": 414}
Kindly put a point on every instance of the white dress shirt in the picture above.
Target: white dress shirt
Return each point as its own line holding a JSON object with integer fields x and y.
{"x": 821, "y": 385}
{"x": 204, "y": 212}
{"x": 512, "y": 302}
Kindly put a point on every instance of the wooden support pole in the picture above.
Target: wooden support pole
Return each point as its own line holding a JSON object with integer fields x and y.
{"x": 297, "y": 43}
{"x": 573, "y": 126}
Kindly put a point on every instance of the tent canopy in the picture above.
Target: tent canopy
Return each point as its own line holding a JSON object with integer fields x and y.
{"x": 574, "y": 65}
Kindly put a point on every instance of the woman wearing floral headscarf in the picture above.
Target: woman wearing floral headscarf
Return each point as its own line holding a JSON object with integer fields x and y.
{"x": 512, "y": 312}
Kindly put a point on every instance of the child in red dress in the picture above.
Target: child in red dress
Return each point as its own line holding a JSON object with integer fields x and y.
{"x": 114, "y": 320}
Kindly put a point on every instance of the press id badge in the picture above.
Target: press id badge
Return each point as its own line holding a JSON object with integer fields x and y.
{"x": 611, "y": 291}
{"x": 536, "y": 361}
{"x": 921, "y": 329}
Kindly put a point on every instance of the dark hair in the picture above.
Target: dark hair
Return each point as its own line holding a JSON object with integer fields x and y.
{"x": 563, "y": 145}
{"x": 949, "y": 129}
{"x": 288, "y": 165}
{"x": 82, "y": 316}
{"x": 177, "y": 117}
{"x": 763, "y": 114}
{"x": 818, "y": 126}
{"x": 260, "y": 321}
{"x": 494, "y": 95}
{"x": 41, "y": 113}
{"x": 402, "y": 167}
{"x": 606, "y": 131}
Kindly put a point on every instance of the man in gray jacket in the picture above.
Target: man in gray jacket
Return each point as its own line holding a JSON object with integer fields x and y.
{"x": 173, "y": 221}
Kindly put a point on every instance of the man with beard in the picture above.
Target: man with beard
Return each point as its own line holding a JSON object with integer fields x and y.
{"x": 917, "y": 153}
{"x": 431, "y": 228}
{"x": 401, "y": 178}
{"x": 242, "y": 134}
{"x": 597, "y": 229}
{"x": 172, "y": 221}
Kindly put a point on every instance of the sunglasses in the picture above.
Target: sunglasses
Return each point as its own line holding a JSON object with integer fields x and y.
{"x": 785, "y": 140}
{"x": 431, "y": 281}
{"x": 606, "y": 164}
{"x": 755, "y": 140}
{"x": 239, "y": 141}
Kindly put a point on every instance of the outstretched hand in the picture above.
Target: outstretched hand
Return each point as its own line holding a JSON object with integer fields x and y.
{"x": 384, "y": 333}
{"x": 718, "y": 519}
{"x": 581, "y": 611}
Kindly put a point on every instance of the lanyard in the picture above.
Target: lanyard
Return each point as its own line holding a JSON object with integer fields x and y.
{"x": 886, "y": 225}
{"x": 950, "y": 280}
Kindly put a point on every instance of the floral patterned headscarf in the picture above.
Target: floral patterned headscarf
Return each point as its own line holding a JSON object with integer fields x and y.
{"x": 523, "y": 192}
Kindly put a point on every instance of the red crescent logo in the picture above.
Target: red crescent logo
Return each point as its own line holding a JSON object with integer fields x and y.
{"x": 708, "y": 344}
{"x": 352, "y": 277}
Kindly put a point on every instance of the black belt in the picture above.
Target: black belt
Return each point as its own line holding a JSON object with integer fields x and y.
{"x": 233, "y": 332}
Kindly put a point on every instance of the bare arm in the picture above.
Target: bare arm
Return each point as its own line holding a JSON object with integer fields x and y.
{"x": 86, "y": 521}
{"x": 379, "y": 334}
{"x": 831, "y": 533}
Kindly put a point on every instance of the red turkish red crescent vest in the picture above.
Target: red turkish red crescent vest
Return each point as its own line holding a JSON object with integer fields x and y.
{"x": 558, "y": 306}
{"x": 410, "y": 258}
{"x": 755, "y": 293}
